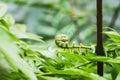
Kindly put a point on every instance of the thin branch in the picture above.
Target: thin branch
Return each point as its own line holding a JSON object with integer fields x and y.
{"x": 75, "y": 19}
{"x": 115, "y": 16}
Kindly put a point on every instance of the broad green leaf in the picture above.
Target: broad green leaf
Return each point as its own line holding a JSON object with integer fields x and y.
{"x": 11, "y": 35}
{"x": 10, "y": 50}
{"x": 3, "y": 9}
{"x": 19, "y": 31}
{"x": 113, "y": 36}
{"x": 4, "y": 66}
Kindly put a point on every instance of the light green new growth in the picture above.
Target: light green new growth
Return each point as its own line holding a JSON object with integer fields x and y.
{"x": 62, "y": 40}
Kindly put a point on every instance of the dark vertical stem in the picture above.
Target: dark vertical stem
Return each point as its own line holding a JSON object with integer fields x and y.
{"x": 99, "y": 48}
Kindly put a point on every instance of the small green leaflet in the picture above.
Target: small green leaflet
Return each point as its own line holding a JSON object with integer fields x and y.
{"x": 113, "y": 36}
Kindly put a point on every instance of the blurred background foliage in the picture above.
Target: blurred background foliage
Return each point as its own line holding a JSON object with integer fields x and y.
{"x": 76, "y": 18}
{"x": 47, "y": 18}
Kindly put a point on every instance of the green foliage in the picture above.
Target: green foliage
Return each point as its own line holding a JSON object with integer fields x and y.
{"x": 24, "y": 55}
{"x": 10, "y": 50}
{"x": 112, "y": 50}
{"x": 113, "y": 36}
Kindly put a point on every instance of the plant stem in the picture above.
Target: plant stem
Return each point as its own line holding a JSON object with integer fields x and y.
{"x": 99, "y": 48}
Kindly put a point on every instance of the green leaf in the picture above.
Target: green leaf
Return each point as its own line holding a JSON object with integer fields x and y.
{"x": 111, "y": 46}
{"x": 19, "y": 31}
{"x": 3, "y": 9}
{"x": 76, "y": 72}
{"x": 118, "y": 77}
{"x": 115, "y": 71}
{"x": 49, "y": 78}
{"x": 8, "y": 20}
{"x": 105, "y": 59}
{"x": 13, "y": 76}
{"x": 10, "y": 50}
{"x": 113, "y": 36}
{"x": 73, "y": 57}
